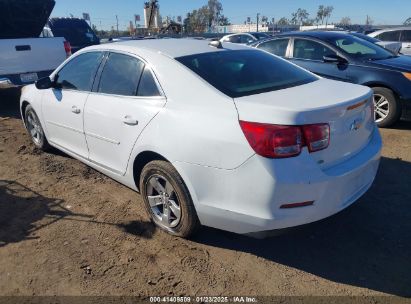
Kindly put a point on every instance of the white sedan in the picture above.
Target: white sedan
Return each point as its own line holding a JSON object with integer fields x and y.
{"x": 211, "y": 134}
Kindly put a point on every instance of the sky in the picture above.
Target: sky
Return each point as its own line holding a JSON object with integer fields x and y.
{"x": 103, "y": 12}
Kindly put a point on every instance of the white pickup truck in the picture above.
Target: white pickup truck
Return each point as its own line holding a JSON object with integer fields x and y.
{"x": 24, "y": 57}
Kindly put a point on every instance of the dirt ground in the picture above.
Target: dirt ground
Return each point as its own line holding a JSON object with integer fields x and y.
{"x": 67, "y": 230}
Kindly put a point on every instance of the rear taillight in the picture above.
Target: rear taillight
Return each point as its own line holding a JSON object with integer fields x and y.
{"x": 67, "y": 48}
{"x": 317, "y": 137}
{"x": 275, "y": 141}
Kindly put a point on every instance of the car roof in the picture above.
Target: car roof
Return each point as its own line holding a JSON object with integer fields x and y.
{"x": 170, "y": 47}
{"x": 390, "y": 29}
{"x": 395, "y": 28}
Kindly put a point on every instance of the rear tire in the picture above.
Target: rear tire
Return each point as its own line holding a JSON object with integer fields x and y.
{"x": 167, "y": 199}
{"x": 387, "y": 108}
{"x": 35, "y": 130}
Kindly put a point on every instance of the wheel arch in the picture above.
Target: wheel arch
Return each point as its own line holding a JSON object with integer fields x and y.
{"x": 142, "y": 159}
{"x": 23, "y": 107}
{"x": 374, "y": 84}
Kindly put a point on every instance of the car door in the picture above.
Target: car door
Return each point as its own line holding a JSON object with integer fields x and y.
{"x": 309, "y": 54}
{"x": 126, "y": 98}
{"x": 406, "y": 42}
{"x": 277, "y": 46}
{"x": 63, "y": 105}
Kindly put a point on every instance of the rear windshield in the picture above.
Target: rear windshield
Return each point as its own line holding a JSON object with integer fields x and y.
{"x": 77, "y": 32}
{"x": 246, "y": 72}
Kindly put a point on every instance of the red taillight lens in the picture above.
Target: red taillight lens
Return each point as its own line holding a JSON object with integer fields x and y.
{"x": 67, "y": 48}
{"x": 275, "y": 141}
{"x": 317, "y": 137}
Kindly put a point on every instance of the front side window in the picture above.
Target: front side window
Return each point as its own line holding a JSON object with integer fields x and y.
{"x": 406, "y": 36}
{"x": 245, "y": 39}
{"x": 310, "y": 50}
{"x": 277, "y": 47}
{"x": 389, "y": 36}
{"x": 235, "y": 39}
{"x": 359, "y": 48}
{"x": 246, "y": 72}
{"x": 121, "y": 75}
{"x": 78, "y": 73}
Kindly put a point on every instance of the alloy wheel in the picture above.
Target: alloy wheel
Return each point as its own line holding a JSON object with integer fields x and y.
{"x": 381, "y": 107}
{"x": 163, "y": 202}
{"x": 34, "y": 128}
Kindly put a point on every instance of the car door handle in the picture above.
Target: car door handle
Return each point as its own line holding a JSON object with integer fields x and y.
{"x": 128, "y": 120}
{"x": 75, "y": 110}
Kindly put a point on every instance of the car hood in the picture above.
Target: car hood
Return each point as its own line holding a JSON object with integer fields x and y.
{"x": 24, "y": 18}
{"x": 401, "y": 63}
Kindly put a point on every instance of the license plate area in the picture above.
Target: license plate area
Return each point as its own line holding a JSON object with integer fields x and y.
{"x": 28, "y": 77}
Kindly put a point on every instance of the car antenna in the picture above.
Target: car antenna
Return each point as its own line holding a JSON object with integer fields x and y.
{"x": 217, "y": 44}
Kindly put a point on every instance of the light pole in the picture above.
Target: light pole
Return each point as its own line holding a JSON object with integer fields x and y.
{"x": 258, "y": 20}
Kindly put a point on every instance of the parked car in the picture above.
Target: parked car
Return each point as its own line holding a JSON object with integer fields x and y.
{"x": 341, "y": 56}
{"x": 74, "y": 30}
{"x": 245, "y": 38}
{"x": 25, "y": 58}
{"x": 394, "y": 47}
{"x": 399, "y": 34}
{"x": 253, "y": 143}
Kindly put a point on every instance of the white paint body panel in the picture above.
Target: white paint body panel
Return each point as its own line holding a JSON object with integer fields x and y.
{"x": 110, "y": 140}
{"x": 64, "y": 127}
{"x": 46, "y": 54}
{"x": 196, "y": 128}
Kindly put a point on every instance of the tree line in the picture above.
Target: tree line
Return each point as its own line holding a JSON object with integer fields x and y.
{"x": 206, "y": 17}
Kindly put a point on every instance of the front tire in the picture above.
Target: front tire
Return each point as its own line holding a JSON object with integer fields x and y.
{"x": 387, "y": 109}
{"x": 35, "y": 129}
{"x": 167, "y": 199}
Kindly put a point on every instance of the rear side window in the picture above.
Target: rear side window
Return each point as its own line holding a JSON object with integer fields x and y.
{"x": 277, "y": 47}
{"x": 78, "y": 73}
{"x": 246, "y": 72}
{"x": 121, "y": 75}
{"x": 310, "y": 50}
{"x": 389, "y": 36}
{"x": 148, "y": 86}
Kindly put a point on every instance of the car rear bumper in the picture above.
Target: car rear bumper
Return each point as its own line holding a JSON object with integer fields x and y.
{"x": 249, "y": 199}
{"x": 14, "y": 80}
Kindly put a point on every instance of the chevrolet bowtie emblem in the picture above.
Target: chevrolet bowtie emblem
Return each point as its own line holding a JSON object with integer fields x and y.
{"x": 356, "y": 125}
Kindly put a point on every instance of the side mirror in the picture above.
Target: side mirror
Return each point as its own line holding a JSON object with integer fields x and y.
{"x": 44, "y": 83}
{"x": 332, "y": 58}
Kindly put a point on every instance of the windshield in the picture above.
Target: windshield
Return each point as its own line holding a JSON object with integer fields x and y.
{"x": 360, "y": 48}
{"x": 246, "y": 72}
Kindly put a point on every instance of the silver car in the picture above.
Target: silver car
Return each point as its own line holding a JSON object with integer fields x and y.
{"x": 398, "y": 34}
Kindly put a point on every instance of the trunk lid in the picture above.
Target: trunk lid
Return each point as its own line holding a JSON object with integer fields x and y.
{"x": 24, "y": 18}
{"x": 345, "y": 107}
